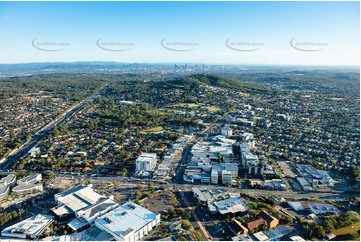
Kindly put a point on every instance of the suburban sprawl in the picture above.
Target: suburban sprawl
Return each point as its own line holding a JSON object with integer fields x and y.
{"x": 185, "y": 152}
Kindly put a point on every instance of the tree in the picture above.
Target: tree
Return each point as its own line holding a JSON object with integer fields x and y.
{"x": 198, "y": 235}
{"x": 354, "y": 174}
{"x": 263, "y": 227}
{"x": 171, "y": 210}
{"x": 185, "y": 224}
{"x": 124, "y": 171}
{"x": 140, "y": 187}
{"x": 329, "y": 225}
{"x": 187, "y": 215}
{"x": 183, "y": 238}
{"x": 151, "y": 186}
{"x": 286, "y": 220}
{"x": 318, "y": 231}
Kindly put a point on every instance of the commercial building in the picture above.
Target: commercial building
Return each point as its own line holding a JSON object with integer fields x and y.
{"x": 297, "y": 206}
{"x": 233, "y": 206}
{"x": 305, "y": 185}
{"x": 321, "y": 208}
{"x": 83, "y": 203}
{"x": 214, "y": 177}
{"x": 312, "y": 175}
{"x": 8, "y": 181}
{"x": 4, "y": 192}
{"x": 129, "y": 222}
{"x": 226, "y": 131}
{"x": 86, "y": 216}
{"x": 206, "y": 196}
{"x": 226, "y": 177}
{"x": 225, "y": 171}
{"x": 146, "y": 162}
{"x": 29, "y": 184}
{"x": 27, "y": 188}
{"x": 30, "y": 228}
{"x": 30, "y": 179}
{"x": 274, "y": 184}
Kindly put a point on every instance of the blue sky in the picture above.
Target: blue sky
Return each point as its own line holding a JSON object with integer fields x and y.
{"x": 330, "y": 28}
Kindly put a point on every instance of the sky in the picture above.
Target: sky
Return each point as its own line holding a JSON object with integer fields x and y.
{"x": 274, "y": 33}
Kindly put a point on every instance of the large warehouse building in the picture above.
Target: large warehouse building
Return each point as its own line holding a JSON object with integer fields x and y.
{"x": 129, "y": 222}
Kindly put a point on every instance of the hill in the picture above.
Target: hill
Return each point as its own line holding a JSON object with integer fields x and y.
{"x": 194, "y": 81}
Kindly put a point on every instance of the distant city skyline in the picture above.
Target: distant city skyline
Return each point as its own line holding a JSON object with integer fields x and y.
{"x": 233, "y": 33}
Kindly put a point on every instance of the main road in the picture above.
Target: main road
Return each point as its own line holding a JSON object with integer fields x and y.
{"x": 8, "y": 161}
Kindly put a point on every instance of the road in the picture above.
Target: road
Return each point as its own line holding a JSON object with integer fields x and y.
{"x": 195, "y": 217}
{"x": 13, "y": 157}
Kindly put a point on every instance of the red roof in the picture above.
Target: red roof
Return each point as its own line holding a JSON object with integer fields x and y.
{"x": 255, "y": 223}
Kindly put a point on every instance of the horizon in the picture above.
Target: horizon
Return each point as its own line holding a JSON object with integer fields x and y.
{"x": 212, "y": 33}
{"x": 178, "y": 63}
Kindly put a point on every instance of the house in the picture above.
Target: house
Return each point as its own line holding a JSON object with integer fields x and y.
{"x": 255, "y": 223}
{"x": 237, "y": 228}
{"x": 271, "y": 221}
{"x": 263, "y": 218}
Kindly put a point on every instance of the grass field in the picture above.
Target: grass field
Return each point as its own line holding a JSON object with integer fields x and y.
{"x": 214, "y": 109}
{"x": 351, "y": 229}
{"x": 148, "y": 131}
{"x": 337, "y": 99}
{"x": 188, "y": 105}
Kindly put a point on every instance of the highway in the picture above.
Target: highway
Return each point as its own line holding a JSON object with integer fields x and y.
{"x": 13, "y": 157}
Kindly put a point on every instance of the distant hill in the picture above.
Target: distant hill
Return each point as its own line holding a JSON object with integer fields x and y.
{"x": 194, "y": 81}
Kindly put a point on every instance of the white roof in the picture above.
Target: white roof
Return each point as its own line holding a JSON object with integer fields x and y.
{"x": 27, "y": 187}
{"x": 296, "y": 238}
{"x": 31, "y": 226}
{"x": 295, "y": 205}
{"x": 8, "y": 179}
{"x": 230, "y": 205}
{"x": 125, "y": 219}
{"x": 29, "y": 178}
{"x": 260, "y": 236}
{"x": 77, "y": 198}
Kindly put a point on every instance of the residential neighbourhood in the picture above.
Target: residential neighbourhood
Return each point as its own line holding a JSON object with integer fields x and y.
{"x": 185, "y": 159}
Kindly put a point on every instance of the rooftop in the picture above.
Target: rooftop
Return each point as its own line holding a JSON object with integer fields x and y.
{"x": 323, "y": 207}
{"x": 242, "y": 237}
{"x": 3, "y": 189}
{"x": 30, "y": 226}
{"x": 225, "y": 166}
{"x": 8, "y": 179}
{"x": 260, "y": 236}
{"x": 78, "y": 198}
{"x": 26, "y": 187}
{"x": 295, "y": 205}
{"x": 125, "y": 219}
{"x": 27, "y": 179}
{"x": 230, "y": 205}
{"x": 205, "y": 194}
